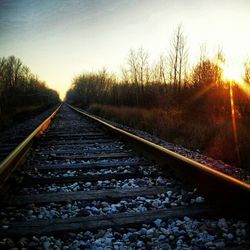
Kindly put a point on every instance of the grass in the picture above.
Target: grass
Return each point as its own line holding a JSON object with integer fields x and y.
{"x": 212, "y": 134}
{"x": 18, "y": 114}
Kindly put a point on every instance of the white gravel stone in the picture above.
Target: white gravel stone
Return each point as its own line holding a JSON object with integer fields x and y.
{"x": 46, "y": 245}
{"x": 220, "y": 244}
{"x": 230, "y": 236}
{"x": 150, "y": 231}
{"x": 222, "y": 223}
{"x": 158, "y": 222}
{"x": 169, "y": 193}
{"x": 199, "y": 199}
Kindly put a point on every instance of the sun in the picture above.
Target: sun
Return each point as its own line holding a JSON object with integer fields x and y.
{"x": 233, "y": 72}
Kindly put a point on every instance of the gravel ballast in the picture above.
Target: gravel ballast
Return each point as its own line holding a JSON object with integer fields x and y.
{"x": 183, "y": 233}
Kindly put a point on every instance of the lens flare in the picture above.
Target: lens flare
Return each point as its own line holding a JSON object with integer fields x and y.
{"x": 234, "y": 126}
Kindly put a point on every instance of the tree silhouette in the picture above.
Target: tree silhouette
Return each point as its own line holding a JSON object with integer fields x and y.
{"x": 178, "y": 59}
{"x": 19, "y": 87}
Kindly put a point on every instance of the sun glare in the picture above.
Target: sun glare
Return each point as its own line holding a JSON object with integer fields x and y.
{"x": 233, "y": 72}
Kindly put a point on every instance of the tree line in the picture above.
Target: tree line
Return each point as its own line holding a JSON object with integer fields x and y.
{"x": 166, "y": 84}
{"x": 20, "y": 88}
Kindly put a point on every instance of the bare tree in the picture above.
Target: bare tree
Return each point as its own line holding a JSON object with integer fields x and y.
{"x": 158, "y": 72}
{"x": 143, "y": 67}
{"x": 133, "y": 67}
{"x": 138, "y": 70}
{"x": 178, "y": 57}
{"x": 125, "y": 75}
{"x": 247, "y": 71}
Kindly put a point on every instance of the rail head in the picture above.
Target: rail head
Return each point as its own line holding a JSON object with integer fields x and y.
{"x": 10, "y": 163}
{"x": 188, "y": 164}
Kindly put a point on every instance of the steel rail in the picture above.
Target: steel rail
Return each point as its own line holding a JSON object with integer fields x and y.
{"x": 225, "y": 191}
{"x": 15, "y": 158}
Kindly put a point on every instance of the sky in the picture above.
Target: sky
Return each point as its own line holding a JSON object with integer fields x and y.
{"x": 59, "y": 39}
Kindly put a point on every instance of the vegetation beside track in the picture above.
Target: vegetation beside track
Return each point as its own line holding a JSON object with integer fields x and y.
{"x": 197, "y": 107}
{"x": 21, "y": 114}
{"x": 205, "y": 107}
{"x": 203, "y": 112}
{"x": 211, "y": 138}
{"x": 22, "y": 94}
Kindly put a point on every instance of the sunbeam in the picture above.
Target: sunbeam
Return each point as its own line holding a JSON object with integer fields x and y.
{"x": 234, "y": 125}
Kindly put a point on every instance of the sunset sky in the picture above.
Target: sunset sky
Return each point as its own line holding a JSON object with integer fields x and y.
{"x": 59, "y": 39}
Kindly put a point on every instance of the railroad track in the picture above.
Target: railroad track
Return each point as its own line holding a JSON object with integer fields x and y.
{"x": 12, "y": 137}
{"x": 85, "y": 184}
